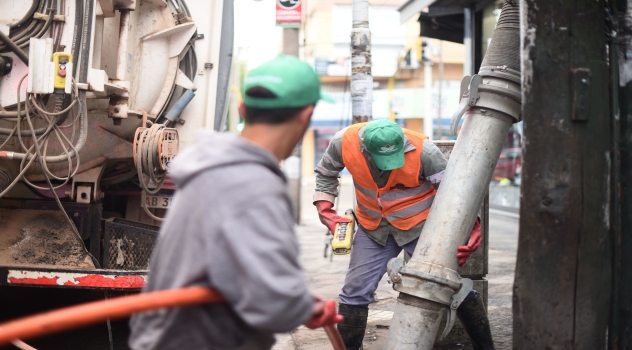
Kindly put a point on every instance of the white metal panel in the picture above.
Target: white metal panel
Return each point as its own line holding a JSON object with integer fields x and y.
{"x": 213, "y": 57}
{"x": 69, "y": 24}
{"x": 107, "y": 7}
{"x": 153, "y": 72}
{"x": 41, "y": 66}
{"x": 159, "y": 3}
{"x": 93, "y": 23}
{"x": 200, "y": 113}
{"x": 69, "y": 76}
{"x": 109, "y": 45}
{"x": 13, "y": 11}
{"x": 178, "y": 36}
{"x": 97, "y": 79}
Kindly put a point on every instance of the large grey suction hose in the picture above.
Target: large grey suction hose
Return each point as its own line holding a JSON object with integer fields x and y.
{"x": 504, "y": 49}
{"x": 491, "y": 102}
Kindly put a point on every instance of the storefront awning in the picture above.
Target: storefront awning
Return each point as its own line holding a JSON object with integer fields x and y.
{"x": 440, "y": 19}
{"x": 411, "y": 8}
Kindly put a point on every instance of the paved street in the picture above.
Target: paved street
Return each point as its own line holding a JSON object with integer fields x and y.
{"x": 326, "y": 277}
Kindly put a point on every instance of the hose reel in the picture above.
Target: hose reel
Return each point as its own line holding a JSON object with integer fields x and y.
{"x": 154, "y": 148}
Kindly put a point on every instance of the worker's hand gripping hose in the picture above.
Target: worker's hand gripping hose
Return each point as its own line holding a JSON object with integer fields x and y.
{"x": 99, "y": 311}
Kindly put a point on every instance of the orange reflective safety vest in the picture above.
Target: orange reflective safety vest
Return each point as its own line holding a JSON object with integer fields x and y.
{"x": 404, "y": 202}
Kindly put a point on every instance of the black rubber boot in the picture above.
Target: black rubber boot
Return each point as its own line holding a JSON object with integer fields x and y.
{"x": 353, "y": 327}
{"x": 474, "y": 319}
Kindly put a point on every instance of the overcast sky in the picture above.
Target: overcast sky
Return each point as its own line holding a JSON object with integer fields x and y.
{"x": 256, "y": 33}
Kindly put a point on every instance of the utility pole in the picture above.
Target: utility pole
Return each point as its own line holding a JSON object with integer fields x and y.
{"x": 292, "y": 165}
{"x": 361, "y": 77}
{"x": 289, "y": 15}
{"x": 468, "y": 37}
{"x": 428, "y": 125}
{"x": 290, "y": 41}
{"x": 429, "y": 283}
{"x": 620, "y": 329}
{"x": 564, "y": 263}
{"x": 440, "y": 93}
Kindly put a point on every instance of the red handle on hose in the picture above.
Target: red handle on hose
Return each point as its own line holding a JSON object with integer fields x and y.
{"x": 99, "y": 311}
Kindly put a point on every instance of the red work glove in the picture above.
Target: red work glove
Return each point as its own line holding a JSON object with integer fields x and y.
{"x": 475, "y": 240}
{"x": 328, "y": 215}
{"x": 324, "y": 314}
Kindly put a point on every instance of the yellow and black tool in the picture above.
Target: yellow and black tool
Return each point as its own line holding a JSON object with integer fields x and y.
{"x": 343, "y": 237}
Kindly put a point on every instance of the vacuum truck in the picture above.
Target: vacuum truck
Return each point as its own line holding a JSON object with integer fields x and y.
{"x": 96, "y": 98}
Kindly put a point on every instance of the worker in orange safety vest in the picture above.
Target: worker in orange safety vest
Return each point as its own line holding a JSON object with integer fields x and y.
{"x": 396, "y": 173}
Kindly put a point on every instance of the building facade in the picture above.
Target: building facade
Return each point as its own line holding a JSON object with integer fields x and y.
{"x": 416, "y": 80}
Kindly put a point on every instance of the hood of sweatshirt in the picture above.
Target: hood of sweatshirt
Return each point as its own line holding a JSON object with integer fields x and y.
{"x": 213, "y": 149}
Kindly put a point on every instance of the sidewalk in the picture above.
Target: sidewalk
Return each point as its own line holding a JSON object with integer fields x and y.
{"x": 326, "y": 277}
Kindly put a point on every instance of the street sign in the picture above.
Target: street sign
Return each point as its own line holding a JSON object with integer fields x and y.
{"x": 288, "y": 13}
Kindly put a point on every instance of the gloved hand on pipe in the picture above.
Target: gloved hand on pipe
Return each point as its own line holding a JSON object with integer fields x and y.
{"x": 475, "y": 240}
{"x": 328, "y": 215}
{"x": 324, "y": 314}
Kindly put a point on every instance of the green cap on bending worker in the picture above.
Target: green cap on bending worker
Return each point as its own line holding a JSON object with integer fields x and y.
{"x": 384, "y": 139}
{"x": 293, "y": 81}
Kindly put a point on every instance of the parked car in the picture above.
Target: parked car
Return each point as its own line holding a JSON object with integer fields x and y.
{"x": 509, "y": 164}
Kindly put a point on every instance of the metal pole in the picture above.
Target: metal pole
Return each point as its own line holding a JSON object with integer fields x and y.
{"x": 428, "y": 125}
{"x": 440, "y": 93}
{"x": 492, "y": 102}
{"x": 225, "y": 62}
{"x": 293, "y": 165}
{"x": 564, "y": 260}
{"x": 620, "y": 329}
{"x": 468, "y": 64}
{"x": 121, "y": 63}
{"x": 361, "y": 77}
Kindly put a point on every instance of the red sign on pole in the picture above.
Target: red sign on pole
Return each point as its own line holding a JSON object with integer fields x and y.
{"x": 288, "y": 13}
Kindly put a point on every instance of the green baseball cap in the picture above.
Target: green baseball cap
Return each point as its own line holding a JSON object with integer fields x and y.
{"x": 384, "y": 139}
{"x": 293, "y": 81}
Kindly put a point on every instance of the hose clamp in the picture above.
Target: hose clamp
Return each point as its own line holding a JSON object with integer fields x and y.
{"x": 469, "y": 96}
{"x": 495, "y": 88}
{"x": 457, "y": 299}
{"x": 429, "y": 286}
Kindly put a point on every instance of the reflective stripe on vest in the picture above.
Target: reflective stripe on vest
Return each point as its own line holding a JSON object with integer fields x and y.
{"x": 403, "y": 201}
{"x": 371, "y": 213}
{"x": 365, "y": 191}
{"x": 409, "y": 192}
{"x": 412, "y": 210}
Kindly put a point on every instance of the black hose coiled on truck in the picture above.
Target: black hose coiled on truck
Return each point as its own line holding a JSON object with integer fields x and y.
{"x": 504, "y": 50}
{"x": 27, "y": 17}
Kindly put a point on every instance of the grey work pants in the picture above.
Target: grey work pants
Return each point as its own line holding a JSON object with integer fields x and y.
{"x": 368, "y": 265}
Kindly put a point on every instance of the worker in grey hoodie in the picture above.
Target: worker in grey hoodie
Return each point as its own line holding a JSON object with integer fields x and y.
{"x": 231, "y": 227}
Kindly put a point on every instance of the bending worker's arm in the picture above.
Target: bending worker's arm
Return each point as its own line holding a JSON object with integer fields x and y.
{"x": 327, "y": 174}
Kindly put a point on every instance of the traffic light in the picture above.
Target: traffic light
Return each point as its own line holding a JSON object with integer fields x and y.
{"x": 420, "y": 50}
{"x": 424, "y": 52}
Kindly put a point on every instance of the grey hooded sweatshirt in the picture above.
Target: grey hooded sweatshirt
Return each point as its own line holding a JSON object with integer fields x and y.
{"x": 231, "y": 228}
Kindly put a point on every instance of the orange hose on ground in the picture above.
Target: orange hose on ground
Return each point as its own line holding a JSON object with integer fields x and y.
{"x": 99, "y": 311}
